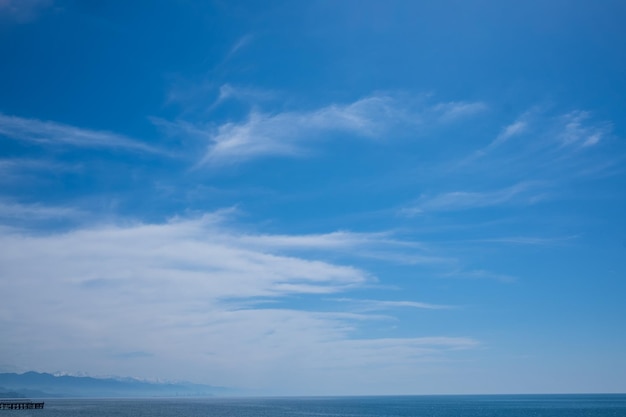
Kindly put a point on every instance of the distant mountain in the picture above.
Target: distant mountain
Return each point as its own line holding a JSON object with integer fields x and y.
{"x": 34, "y": 384}
{"x": 10, "y": 394}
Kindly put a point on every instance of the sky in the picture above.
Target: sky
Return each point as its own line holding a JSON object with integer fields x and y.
{"x": 316, "y": 197}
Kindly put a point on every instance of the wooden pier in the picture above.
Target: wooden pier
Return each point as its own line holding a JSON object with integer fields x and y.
{"x": 20, "y": 405}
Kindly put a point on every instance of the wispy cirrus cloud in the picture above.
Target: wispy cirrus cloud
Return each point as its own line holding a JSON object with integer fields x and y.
{"x": 577, "y": 131}
{"x": 458, "y": 109}
{"x": 538, "y": 136}
{"x": 36, "y": 212}
{"x": 285, "y": 133}
{"x": 241, "y": 43}
{"x": 382, "y": 245}
{"x": 340, "y": 239}
{"x": 521, "y": 193}
{"x": 514, "y": 129}
{"x": 55, "y": 134}
{"x": 562, "y": 134}
{"x": 288, "y": 133}
{"x": 9, "y": 165}
{"x": 16, "y": 169}
{"x": 364, "y": 305}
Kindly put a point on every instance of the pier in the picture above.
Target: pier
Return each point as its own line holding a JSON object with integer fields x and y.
{"x": 20, "y": 405}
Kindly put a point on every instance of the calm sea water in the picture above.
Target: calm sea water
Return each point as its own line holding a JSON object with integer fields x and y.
{"x": 418, "y": 406}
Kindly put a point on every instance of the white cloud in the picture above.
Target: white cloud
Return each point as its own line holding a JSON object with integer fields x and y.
{"x": 185, "y": 293}
{"x": 52, "y": 133}
{"x": 523, "y": 192}
{"x": 458, "y": 109}
{"x": 286, "y": 133}
{"x": 380, "y": 246}
{"x": 547, "y": 138}
{"x": 283, "y": 133}
{"x": 334, "y": 241}
{"x": 577, "y": 131}
{"x": 555, "y": 148}
{"x": 375, "y": 305}
{"x": 516, "y": 128}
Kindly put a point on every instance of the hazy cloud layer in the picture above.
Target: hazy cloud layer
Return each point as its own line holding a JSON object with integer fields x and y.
{"x": 191, "y": 294}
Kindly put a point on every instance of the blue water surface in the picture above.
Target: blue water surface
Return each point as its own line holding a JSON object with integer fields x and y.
{"x": 405, "y": 406}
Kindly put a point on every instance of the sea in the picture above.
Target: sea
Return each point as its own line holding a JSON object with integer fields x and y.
{"x": 613, "y": 405}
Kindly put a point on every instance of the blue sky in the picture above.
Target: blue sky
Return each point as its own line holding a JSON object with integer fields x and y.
{"x": 321, "y": 197}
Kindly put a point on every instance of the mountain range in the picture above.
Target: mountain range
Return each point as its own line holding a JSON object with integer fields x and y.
{"x": 44, "y": 385}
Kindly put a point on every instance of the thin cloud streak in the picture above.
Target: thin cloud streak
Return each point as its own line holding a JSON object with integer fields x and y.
{"x": 382, "y": 246}
{"x": 54, "y": 134}
{"x": 34, "y": 212}
{"x": 545, "y": 142}
{"x": 321, "y": 241}
{"x": 364, "y": 305}
{"x": 239, "y": 45}
{"x": 16, "y": 170}
{"x": 328, "y": 241}
{"x": 8, "y": 166}
{"x": 524, "y": 193}
{"x": 456, "y": 110}
{"x": 514, "y": 129}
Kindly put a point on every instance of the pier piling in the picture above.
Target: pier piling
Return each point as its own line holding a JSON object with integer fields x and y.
{"x": 20, "y": 405}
